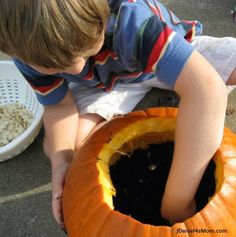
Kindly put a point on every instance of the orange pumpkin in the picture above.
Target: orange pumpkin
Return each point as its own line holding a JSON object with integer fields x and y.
{"x": 87, "y": 197}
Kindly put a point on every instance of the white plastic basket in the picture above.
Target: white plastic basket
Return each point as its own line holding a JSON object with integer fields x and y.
{"x": 14, "y": 88}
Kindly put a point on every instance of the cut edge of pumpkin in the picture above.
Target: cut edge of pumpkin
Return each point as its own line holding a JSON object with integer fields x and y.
{"x": 140, "y": 134}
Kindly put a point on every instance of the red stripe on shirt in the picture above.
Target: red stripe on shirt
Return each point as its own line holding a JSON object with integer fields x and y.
{"x": 100, "y": 85}
{"x": 89, "y": 75}
{"x": 102, "y": 57}
{"x": 155, "y": 9}
{"x": 189, "y": 36}
{"x": 128, "y": 76}
{"x": 157, "y": 48}
{"x": 48, "y": 88}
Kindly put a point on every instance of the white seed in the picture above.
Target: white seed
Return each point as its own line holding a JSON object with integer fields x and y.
{"x": 152, "y": 167}
{"x": 14, "y": 120}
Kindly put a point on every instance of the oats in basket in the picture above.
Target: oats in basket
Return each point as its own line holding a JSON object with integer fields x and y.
{"x": 14, "y": 120}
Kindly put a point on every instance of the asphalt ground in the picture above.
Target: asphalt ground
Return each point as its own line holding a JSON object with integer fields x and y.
{"x": 25, "y": 180}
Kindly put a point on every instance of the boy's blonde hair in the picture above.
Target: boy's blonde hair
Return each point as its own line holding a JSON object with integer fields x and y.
{"x": 51, "y": 33}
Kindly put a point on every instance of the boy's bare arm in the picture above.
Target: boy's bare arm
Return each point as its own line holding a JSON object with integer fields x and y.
{"x": 199, "y": 131}
{"x": 64, "y": 132}
{"x": 60, "y": 124}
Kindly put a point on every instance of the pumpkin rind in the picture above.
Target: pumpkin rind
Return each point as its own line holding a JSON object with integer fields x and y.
{"x": 87, "y": 196}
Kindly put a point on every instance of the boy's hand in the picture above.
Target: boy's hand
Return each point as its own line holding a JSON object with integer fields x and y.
{"x": 58, "y": 180}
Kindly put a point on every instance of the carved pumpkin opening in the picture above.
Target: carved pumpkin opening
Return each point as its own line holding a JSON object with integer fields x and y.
{"x": 139, "y": 179}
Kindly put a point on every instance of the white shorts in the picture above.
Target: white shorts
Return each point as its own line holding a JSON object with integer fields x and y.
{"x": 220, "y": 52}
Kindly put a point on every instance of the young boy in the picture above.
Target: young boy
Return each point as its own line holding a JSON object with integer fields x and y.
{"x": 88, "y": 60}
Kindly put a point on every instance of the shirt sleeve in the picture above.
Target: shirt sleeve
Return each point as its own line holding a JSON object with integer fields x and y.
{"x": 162, "y": 51}
{"x": 49, "y": 89}
{"x": 145, "y": 41}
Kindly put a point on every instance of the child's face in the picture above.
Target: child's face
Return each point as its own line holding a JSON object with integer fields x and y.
{"x": 76, "y": 68}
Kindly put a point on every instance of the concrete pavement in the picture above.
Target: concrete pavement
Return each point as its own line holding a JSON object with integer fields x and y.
{"x": 25, "y": 198}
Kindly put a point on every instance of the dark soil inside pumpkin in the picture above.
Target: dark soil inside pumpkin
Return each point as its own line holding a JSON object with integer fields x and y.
{"x": 140, "y": 181}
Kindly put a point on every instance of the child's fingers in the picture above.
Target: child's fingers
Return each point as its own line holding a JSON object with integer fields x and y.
{"x": 57, "y": 209}
{"x": 58, "y": 178}
{"x": 57, "y": 186}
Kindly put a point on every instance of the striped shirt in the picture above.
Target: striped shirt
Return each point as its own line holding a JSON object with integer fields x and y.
{"x": 143, "y": 39}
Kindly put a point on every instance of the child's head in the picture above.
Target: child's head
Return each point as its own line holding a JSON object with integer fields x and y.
{"x": 51, "y": 33}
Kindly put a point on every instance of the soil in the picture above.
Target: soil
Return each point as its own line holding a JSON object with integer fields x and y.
{"x": 140, "y": 181}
